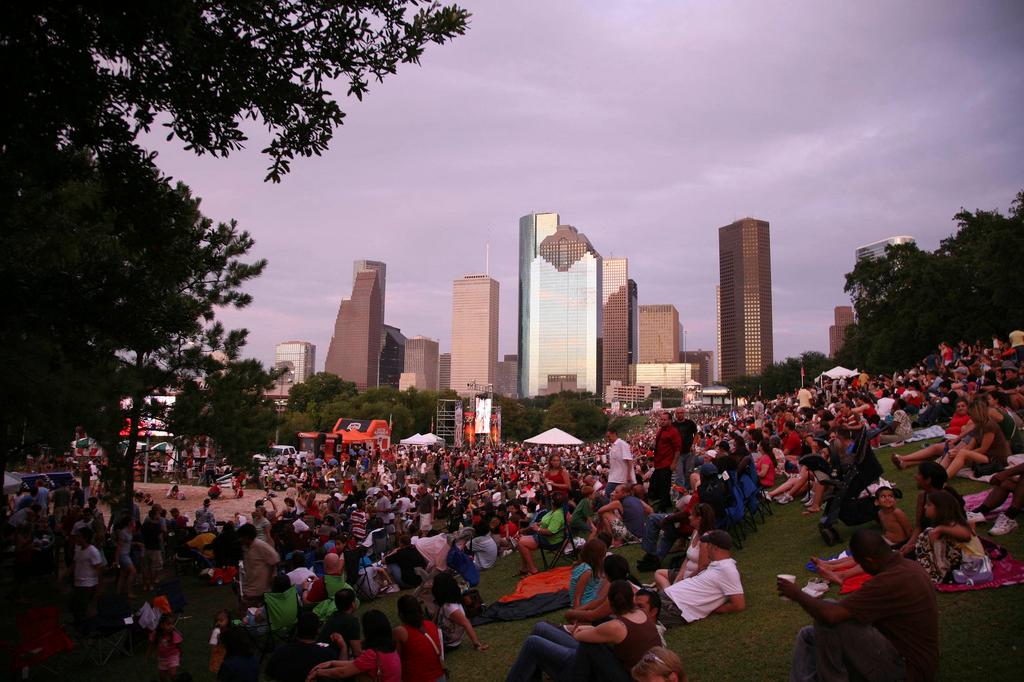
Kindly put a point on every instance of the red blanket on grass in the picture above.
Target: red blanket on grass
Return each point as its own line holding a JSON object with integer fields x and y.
{"x": 540, "y": 583}
{"x": 1005, "y": 571}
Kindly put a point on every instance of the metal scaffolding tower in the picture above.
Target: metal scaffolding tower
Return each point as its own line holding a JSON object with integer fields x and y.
{"x": 449, "y": 422}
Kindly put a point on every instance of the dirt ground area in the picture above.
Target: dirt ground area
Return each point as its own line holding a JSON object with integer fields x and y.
{"x": 223, "y": 508}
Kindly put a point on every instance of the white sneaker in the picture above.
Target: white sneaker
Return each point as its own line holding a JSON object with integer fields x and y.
{"x": 976, "y": 517}
{"x": 784, "y": 498}
{"x": 1003, "y": 525}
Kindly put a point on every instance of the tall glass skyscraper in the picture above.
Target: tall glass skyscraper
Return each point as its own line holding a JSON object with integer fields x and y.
{"x": 560, "y": 309}
{"x": 533, "y": 229}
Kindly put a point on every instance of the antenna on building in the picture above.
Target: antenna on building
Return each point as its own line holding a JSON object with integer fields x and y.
{"x": 487, "y": 258}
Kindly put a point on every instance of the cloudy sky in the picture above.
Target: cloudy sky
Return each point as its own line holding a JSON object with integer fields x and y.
{"x": 647, "y": 125}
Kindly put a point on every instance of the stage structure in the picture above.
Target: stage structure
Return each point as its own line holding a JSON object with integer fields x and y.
{"x": 449, "y": 422}
{"x": 473, "y": 423}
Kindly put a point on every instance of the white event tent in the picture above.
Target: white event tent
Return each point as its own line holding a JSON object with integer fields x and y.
{"x": 838, "y": 372}
{"x": 554, "y": 437}
{"x": 422, "y": 440}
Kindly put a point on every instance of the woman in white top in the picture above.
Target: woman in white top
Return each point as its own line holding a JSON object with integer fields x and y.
{"x": 702, "y": 520}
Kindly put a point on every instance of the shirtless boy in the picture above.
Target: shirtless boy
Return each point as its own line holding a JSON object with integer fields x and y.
{"x": 896, "y": 530}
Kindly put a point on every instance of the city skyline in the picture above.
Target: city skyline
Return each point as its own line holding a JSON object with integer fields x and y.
{"x": 875, "y": 136}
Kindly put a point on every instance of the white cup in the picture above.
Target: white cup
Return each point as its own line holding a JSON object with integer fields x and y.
{"x": 789, "y": 579}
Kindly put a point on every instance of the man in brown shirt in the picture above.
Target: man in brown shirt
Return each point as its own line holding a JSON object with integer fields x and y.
{"x": 887, "y": 630}
{"x": 259, "y": 562}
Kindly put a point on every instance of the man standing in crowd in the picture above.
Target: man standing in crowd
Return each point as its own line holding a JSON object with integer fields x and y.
{"x": 620, "y": 462}
{"x": 425, "y": 508}
{"x": 886, "y": 630}
{"x": 88, "y": 567}
{"x": 687, "y": 429}
{"x": 667, "y": 445}
{"x": 259, "y": 562}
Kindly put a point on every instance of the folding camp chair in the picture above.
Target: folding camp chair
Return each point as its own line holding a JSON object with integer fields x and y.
{"x": 377, "y": 541}
{"x": 282, "y": 617}
{"x": 41, "y": 638}
{"x": 175, "y": 595}
{"x": 550, "y": 554}
{"x": 735, "y": 511}
{"x": 332, "y": 585}
{"x": 109, "y": 631}
{"x": 748, "y": 486}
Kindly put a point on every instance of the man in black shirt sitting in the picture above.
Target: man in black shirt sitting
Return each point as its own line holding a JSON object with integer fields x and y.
{"x": 403, "y": 562}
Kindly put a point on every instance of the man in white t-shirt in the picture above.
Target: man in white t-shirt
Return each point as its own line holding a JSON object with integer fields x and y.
{"x": 620, "y": 462}
{"x": 716, "y": 589}
{"x": 803, "y": 397}
{"x": 88, "y": 565}
{"x": 884, "y": 405}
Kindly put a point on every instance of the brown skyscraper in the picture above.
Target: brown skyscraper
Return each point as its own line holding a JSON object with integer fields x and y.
{"x": 444, "y": 371}
{"x": 659, "y": 333}
{"x": 615, "y": 322}
{"x": 421, "y": 361}
{"x": 354, "y": 353}
{"x": 745, "y": 298}
{"x": 837, "y": 332}
{"x": 702, "y": 360}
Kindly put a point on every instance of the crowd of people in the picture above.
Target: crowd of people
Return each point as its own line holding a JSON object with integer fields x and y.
{"x": 331, "y": 529}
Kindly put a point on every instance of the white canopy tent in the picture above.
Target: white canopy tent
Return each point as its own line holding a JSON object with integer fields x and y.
{"x": 554, "y": 437}
{"x": 838, "y": 372}
{"x": 421, "y": 440}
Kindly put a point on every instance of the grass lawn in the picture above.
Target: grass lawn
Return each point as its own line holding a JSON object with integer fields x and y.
{"x": 980, "y": 630}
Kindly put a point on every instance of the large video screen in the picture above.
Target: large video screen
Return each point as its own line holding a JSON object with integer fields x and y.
{"x": 483, "y": 416}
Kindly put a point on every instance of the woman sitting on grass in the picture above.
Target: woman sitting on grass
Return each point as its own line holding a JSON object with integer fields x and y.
{"x": 956, "y": 439}
{"x": 605, "y": 652}
{"x": 585, "y": 582}
{"x": 702, "y": 520}
{"x": 451, "y": 617}
{"x": 615, "y": 568}
{"x": 379, "y": 660}
{"x": 990, "y": 445}
{"x": 419, "y": 643}
{"x": 941, "y": 549}
{"x": 766, "y": 464}
{"x": 610, "y": 650}
{"x": 799, "y": 483}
